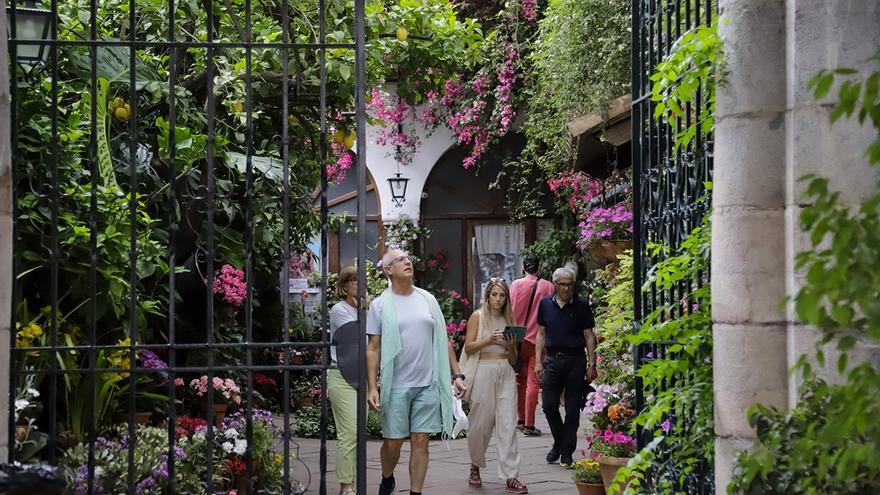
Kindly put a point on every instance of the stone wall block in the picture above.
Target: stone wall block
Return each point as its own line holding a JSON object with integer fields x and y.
{"x": 754, "y": 39}
{"x": 825, "y": 34}
{"x": 749, "y": 367}
{"x": 750, "y": 163}
{"x": 725, "y": 454}
{"x": 836, "y": 152}
{"x": 748, "y": 251}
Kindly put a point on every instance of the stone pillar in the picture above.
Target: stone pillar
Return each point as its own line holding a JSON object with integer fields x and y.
{"x": 748, "y": 224}
{"x": 5, "y": 234}
{"x": 825, "y": 34}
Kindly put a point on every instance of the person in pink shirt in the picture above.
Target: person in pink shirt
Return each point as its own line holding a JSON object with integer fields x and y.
{"x": 525, "y": 294}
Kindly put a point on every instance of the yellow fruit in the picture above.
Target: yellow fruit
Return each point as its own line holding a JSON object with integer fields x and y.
{"x": 402, "y": 33}
{"x": 122, "y": 113}
{"x": 349, "y": 140}
{"x": 292, "y": 120}
{"x": 338, "y": 136}
{"x": 116, "y": 103}
{"x": 237, "y": 107}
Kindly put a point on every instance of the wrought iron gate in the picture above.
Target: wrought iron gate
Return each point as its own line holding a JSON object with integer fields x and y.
{"x": 134, "y": 186}
{"x": 667, "y": 183}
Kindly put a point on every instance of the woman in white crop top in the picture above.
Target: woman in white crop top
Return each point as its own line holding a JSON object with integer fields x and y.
{"x": 493, "y": 387}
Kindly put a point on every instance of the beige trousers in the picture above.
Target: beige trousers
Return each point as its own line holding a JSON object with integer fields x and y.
{"x": 493, "y": 408}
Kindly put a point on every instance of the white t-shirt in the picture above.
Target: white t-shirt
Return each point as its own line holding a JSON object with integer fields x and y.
{"x": 340, "y": 314}
{"x": 415, "y": 363}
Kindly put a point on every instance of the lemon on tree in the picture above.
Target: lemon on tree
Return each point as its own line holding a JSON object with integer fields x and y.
{"x": 339, "y": 136}
{"x": 402, "y": 33}
{"x": 349, "y": 140}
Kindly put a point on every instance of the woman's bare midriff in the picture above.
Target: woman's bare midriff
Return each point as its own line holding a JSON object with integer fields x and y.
{"x": 492, "y": 355}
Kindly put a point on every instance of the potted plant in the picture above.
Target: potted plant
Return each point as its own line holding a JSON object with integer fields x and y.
{"x": 587, "y": 477}
{"x": 228, "y": 393}
{"x": 607, "y": 232}
{"x": 614, "y": 449}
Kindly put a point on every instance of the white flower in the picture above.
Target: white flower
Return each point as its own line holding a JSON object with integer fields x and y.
{"x": 231, "y": 433}
{"x": 227, "y": 447}
{"x": 20, "y": 404}
{"x": 33, "y": 392}
{"x": 240, "y": 446}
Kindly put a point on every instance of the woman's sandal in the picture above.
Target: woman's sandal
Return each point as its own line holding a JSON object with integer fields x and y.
{"x": 348, "y": 491}
{"x": 474, "y": 477}
{"x": 514, "y": 486}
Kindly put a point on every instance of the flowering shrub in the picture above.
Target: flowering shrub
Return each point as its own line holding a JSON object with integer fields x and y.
{"x": 403, "y": 233}
{"x": 456, "y": 308}
{"x": 609, "y": 406}
{"x": 484, "y": 109}
{"x": 432, "y": 268}
{"x": 606, "y": 223}
{"x": 576, "y": 189}
{"x": 230, "y": 285}
{"x": 227, "y": 388}
{"x": 586, "y": 471}
{"x": 393, "y": 114}
{"x": 611, "y": 443}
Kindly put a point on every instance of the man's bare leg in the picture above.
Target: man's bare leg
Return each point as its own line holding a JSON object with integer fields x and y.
{"x": 418, "y": 461}
{"x": 390, "y": 455}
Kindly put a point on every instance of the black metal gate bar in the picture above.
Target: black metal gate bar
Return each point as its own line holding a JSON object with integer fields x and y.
{"x": 133, "y": 330}
{"x": 172, "y": 257}
{"x": 667, "y": 183}
{"x": 93, "y": 239}
{"x": 54, "y": 248}
{"x": 325, "y": 356}
{"x": 360, "y": 112}
{"x": 285, "y": 251}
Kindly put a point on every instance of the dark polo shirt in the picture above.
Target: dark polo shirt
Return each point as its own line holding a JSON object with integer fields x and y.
{"x": 564, "y": 327}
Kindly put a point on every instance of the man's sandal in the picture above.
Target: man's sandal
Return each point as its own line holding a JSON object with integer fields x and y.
{"x": 514, "y": 486}
{"x": 474, "y": 477}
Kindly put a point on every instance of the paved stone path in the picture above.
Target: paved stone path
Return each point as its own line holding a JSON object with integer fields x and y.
{"x": 448, "y": 470}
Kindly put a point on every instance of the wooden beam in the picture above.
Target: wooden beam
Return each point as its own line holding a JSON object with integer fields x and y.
{"x": 345, "y": 197}
{"x": 617, "y": 110}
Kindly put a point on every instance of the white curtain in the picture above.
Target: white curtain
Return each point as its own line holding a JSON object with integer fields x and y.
{"x": 496, "y": 254}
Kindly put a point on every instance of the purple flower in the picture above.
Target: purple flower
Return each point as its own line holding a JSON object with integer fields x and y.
{"x": 665, "y": 426}
{"x": 149, "y": 359}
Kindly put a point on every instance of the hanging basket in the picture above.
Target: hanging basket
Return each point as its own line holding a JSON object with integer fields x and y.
{"x": 605, "y": 252}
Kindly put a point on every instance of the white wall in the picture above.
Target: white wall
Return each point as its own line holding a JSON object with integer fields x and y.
{"x": 381, "y": 163}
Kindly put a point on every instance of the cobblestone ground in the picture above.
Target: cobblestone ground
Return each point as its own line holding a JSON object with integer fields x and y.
{"x": 448, "y": 470}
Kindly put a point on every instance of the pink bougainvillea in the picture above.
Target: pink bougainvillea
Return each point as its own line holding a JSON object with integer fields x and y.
{"x": 577, "y": 188}
{"x": 230, "y": 285}
{"x": 485, "y": 110}
{"x": 529, "y": 10}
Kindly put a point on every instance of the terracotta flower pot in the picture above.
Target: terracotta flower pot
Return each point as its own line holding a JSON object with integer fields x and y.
{"x": 219, "y": 414}
{"x": 590, "y": 488}
{"x": 609, "y": 466}
{"x": 140, "y": 418}
{"x": 606, "y": 251}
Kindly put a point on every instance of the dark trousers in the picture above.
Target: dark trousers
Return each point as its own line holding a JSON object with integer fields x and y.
{"x": 564, "y": 372}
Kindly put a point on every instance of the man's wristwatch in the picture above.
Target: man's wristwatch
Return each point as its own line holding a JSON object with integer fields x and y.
{"x": 457, "y": 376}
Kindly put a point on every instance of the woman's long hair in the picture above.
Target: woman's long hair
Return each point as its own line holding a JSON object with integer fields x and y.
{"x": 486, "y": 309}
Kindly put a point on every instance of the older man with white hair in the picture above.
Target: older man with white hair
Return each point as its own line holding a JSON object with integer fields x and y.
{"x": 565, "y": 359}
{"x": 411, "y": 369}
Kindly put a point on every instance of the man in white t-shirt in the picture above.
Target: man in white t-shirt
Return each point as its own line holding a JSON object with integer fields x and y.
{"x": 415, "y": 402}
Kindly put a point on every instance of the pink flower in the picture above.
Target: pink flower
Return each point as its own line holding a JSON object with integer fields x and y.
{"x": 178, "y": 382}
